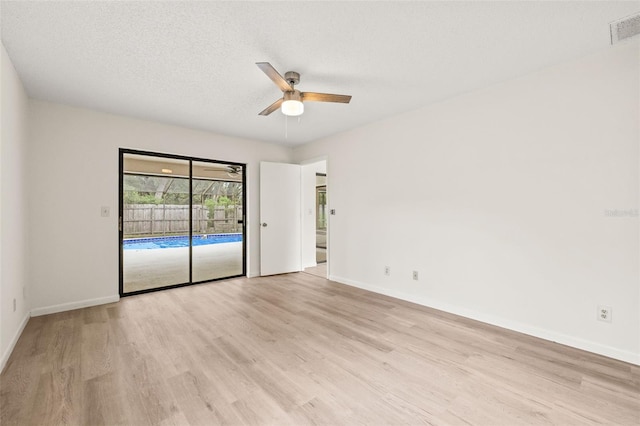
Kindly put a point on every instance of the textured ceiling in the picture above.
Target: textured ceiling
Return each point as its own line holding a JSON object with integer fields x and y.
{"x": 192, "y": 63}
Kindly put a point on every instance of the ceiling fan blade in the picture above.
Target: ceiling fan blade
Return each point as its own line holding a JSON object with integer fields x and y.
{"x": 275, "y": 76}
{"x": 325, "y": 97}
{"x": 274, "y": 106}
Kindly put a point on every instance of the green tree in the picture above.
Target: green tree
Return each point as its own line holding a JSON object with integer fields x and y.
{"x": 134, "y": 197}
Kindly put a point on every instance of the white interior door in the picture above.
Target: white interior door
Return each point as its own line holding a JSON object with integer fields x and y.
{"x": 280, "y": 220}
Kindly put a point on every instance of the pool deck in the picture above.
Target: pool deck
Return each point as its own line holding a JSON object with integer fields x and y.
{"x": 154, "y": 268}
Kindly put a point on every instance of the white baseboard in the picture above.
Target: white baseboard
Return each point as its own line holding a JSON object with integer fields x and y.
{"x": 597, "y": 348}
{"x": 12, "y": 344}
{"x": 73, "y": 305}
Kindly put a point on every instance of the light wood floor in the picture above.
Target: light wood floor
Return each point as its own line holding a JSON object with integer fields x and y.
{"x": 320, "y": 270}
{"x": 298, "y": 349}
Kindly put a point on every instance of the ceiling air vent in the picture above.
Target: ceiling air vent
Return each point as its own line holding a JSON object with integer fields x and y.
{"x": 625, "y": 28}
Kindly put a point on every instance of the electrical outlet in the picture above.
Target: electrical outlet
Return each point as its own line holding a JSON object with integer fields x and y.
{"x": 387, "y": 270}
{"x": 604, "y": 313}
{"x": 415, "y": 275}
{"x": 14, "y": 305}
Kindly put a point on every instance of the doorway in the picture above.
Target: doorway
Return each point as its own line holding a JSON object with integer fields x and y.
{"x": 182, "y": 221}
{"x": 321, "y": 218}
{"x": 315, "y": 218}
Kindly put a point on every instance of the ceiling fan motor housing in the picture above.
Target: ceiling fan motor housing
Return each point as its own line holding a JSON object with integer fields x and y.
{"x": 293, "y": 95}
{"x": 292, "y": 77}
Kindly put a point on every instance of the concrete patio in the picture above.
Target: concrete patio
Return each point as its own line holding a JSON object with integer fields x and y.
{"x": 154, "y": 268}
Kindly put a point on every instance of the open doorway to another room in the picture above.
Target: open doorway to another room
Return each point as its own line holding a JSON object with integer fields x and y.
{"x": 321, "y": 218}
{"x": 315, "y": 219}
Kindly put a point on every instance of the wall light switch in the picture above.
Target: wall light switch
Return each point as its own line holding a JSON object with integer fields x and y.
{"x": 104, "y": 211}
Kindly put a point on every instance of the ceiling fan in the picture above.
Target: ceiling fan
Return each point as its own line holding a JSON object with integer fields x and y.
{"x": 234, "y": 171}
{"x": 291, "y": 103}
{"x": 231, "y": 170}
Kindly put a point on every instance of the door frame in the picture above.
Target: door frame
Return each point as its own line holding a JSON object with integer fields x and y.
{"x": 312, "y": 162}
{"x": 326, "y": 228}
{"x": 121, "y": 154}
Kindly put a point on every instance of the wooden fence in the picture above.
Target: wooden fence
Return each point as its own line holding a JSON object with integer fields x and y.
{"x": 167, "y": 219}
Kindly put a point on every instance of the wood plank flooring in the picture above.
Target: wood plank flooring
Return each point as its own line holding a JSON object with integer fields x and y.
{"x": 320, "y": 270}
{"x": 298, "y": 349}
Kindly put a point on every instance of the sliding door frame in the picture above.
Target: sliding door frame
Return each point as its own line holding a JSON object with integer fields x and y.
{"x": 121, "y": 153}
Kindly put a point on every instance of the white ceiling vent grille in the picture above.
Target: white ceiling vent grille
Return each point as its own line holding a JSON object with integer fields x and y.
{"x": 625, "y": 28}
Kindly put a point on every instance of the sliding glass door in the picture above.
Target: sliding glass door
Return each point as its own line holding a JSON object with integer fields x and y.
{"x": 181, "y": 221}
{"x": 217, "y": 191}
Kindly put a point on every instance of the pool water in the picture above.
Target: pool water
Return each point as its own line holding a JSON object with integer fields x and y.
{"x": 178, "y": 241}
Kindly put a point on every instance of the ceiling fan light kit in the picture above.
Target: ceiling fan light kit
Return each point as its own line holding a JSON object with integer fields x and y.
{"x": 291, "y": 102}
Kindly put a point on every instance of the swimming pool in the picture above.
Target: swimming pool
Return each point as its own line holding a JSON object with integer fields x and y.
{"x": 178, "y": 241}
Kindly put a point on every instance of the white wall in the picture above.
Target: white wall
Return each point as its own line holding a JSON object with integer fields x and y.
{"x": 498, "y": 199}
{"x": 309, "y": 211}
{"x": 13, "y": 228}
{"x": 74, "y": 171}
